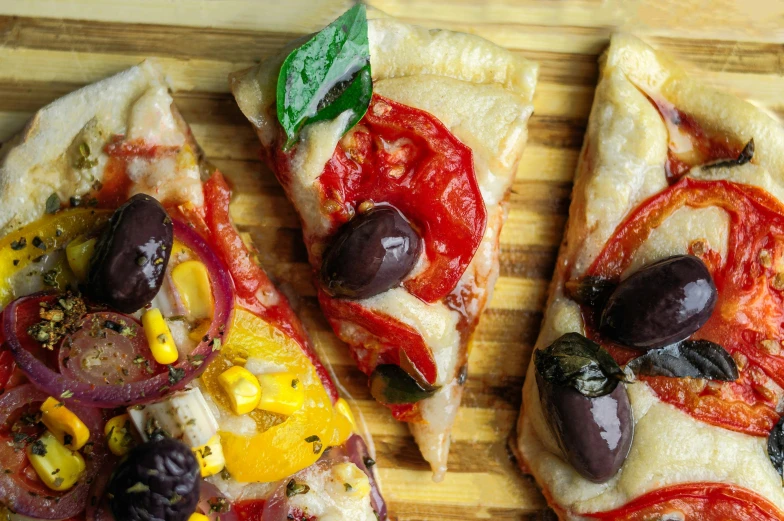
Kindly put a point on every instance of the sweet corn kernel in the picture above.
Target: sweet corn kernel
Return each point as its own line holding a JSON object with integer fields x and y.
{"x": 242, "y": 389}
{"x": 118, "y": 435}
{"x": 210, "y": 457}
{"x": 355, "y": 482}
{"x": 197, "y": 335}
{"x": 343, "y": 408}
{"x": 162, "y": 345}
{"x": 198, "y": 517}
{"x": 58, "y": 466}
{"x": 193, "y": 285}
{"x": 281, "y": 393}
{"x": 79, "y": 252}
{"x": 65, "y": 425}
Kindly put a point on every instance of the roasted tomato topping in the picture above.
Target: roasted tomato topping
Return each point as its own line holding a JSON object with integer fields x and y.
{"x": 748, "y": 319}
{"x": 695, "y": 502}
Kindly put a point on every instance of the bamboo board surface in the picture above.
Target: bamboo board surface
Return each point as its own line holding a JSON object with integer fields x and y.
{"x": 50, "y": 47}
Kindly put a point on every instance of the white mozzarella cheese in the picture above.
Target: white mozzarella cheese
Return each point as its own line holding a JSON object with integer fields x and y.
{"x": 152, "y": 121}
{"x": 183, "y": 415}
{"x": 337, "y": 493}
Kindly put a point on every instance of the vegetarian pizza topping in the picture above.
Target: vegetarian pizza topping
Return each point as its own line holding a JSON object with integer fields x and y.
{"x": 130, "y": 259}
{"x": 747, "y": 320}
{"x": 370, "y": 254}
{"x": 687, "y": 359}
{"x": 326, "y": 76}
{"x": 663, "y": 303}
{"x": 158, "y": 481}
{"x": 408, "y": 159}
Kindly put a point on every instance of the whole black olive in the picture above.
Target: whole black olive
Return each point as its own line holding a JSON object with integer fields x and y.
{"x": 158, "y": 481}
{"x": 660, "y": 304}
{"x": 131, "y": 255}
{"x": 595, "y": 434}
{"x": 370, "y": 254}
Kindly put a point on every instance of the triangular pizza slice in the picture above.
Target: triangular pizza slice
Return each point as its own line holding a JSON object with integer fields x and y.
{"x": 149, "y": 369}
{"x": 655, "y": 390}
{"x": 400, "y": 166}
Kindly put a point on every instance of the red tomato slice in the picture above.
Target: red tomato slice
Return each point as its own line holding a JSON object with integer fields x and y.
{"x": 409, "y": 159}
{"x": 750, "y": 308}
{"x": 254, "y": 289}
{"x": 695, "y": 502}
{"x": 392, "y": 336}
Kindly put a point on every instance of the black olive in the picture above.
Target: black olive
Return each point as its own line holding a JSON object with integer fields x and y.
{"x": 158, "y": 481}
{"x": 660, "y": 304}
{"x": 370, "y": 254}
{"x": 595, "y": 434}
{"x": 131, "y": 255}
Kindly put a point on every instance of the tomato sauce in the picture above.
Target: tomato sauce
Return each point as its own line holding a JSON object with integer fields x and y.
{"x": 748, "y": 319}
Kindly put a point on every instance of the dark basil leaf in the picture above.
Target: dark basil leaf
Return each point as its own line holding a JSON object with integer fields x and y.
{"x": 327, "y": 75}
{"x": 745, "y": 156}
{"x": 390, "y": 384}
{"x": 776, "y": 447}
{"x": 689, "y": 359}
{"x": 590, "y": 291}
{"x": 575, "y": 361}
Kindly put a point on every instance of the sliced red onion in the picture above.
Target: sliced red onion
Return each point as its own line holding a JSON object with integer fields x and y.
{"x": 209, "y": 496}
{"x": 355, "y": 451}
{"x": 132, "y": 393}
{"x": 57, "y": 506}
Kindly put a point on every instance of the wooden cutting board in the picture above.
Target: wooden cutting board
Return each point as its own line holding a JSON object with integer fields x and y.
{"x": 50, "y": 47}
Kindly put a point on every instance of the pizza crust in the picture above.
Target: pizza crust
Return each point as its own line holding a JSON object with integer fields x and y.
{"x": 622, "y": 164}
{"x": 39, "y": 160}
{"x": 428, "y": 70}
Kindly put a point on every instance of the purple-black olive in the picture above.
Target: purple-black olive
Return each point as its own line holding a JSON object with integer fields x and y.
{"x": 370, "y": 254}
{"x": 595, "y": 434}
{"x": 660, "y": 304}
{"x": 131, "y": 255}
{"x": 158, "y": 481}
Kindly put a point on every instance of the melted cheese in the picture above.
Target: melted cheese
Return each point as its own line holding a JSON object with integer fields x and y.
{"x": 152, "y": 121}
{"x": 329, "y": 499}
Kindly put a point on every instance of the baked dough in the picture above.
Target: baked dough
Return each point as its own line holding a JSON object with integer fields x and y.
{"x": 39, "y": 160}
{"x": 483, "y": 95}
{"x": 623, "y": 163}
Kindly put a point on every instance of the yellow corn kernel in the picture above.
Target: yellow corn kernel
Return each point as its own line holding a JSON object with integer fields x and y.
{"x": 281, "y": 393}
{"x": 193, "y": 285}
{"x": 58, "y": 466}
{"x": 197, "y": 335}
{"x": 162, "y": 345}
{"x": 64, "y": 424}
{"x": 345, "y": 410}
{"x": 355, "y": 482}
{"x": 198, "y": 517}
{"x": 210, "y": 457}
{"x": 118, "y": 435}
{"x": 242, "y": 388}
{"x": 79, "y": 252}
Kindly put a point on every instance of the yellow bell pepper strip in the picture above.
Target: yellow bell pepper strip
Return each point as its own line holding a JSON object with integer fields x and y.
{"x": 51, "y": 232}
{"x": 282, "y": 445}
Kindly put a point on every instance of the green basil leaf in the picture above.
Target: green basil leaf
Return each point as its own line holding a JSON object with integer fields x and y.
{"x": 326, "y": 76}
{"x": 688, "y": 359}
{"x": 575, "y": 361}
{"x": 390, "y": 384}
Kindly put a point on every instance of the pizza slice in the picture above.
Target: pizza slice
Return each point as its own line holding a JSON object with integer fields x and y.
{"x": 655, "y": 390}
{"x": 397, "y": 146}
{"x": 149, "y": 369}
